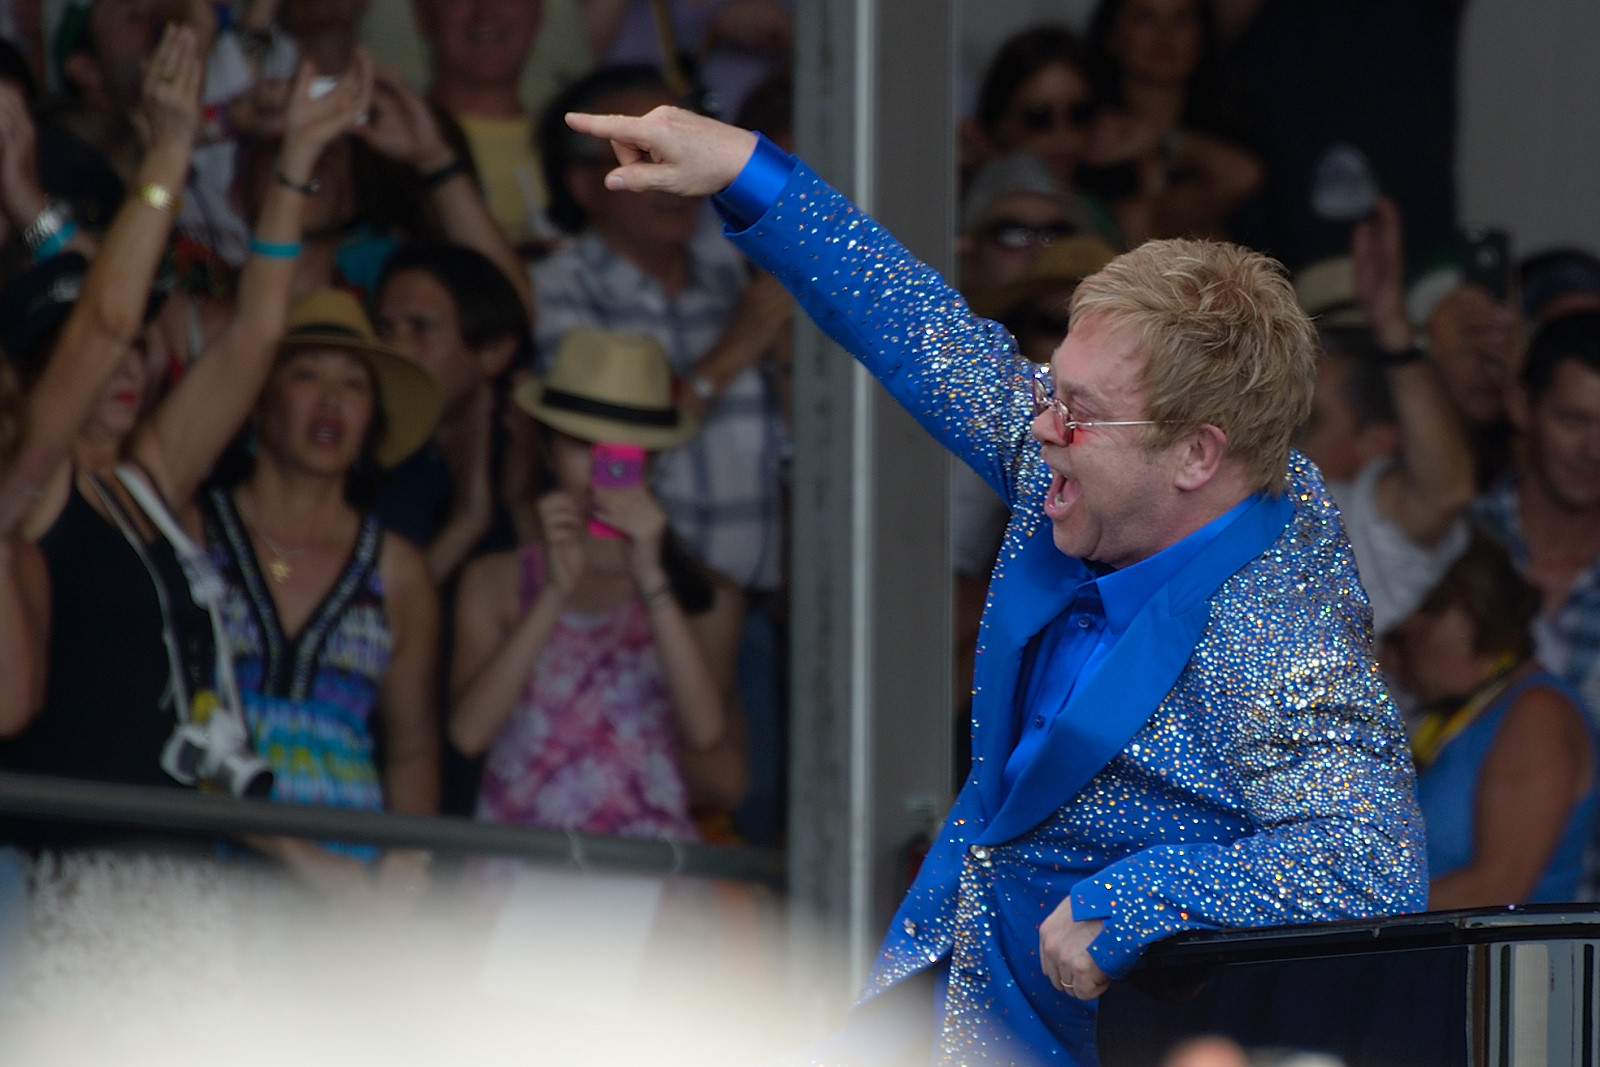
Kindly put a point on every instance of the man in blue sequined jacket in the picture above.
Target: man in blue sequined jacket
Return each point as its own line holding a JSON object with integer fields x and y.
{"x": 1178, "y": 722}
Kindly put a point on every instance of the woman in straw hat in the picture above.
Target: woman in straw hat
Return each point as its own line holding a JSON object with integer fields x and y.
{"x": 123, "y": 627}
{"x": 332, "y": 621}
{"x": 585, "y": 663}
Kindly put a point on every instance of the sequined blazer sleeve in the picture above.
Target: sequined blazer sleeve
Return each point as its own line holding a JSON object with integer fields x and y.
{"x": 959, "y": 375}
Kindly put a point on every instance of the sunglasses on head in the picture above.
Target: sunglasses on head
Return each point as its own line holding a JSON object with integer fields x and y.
{"x": 1042, "y": 118}
{"x": 1015, "y": 235}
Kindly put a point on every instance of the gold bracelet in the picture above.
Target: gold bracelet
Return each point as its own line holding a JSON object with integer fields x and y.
{"x": 159, "y": 197}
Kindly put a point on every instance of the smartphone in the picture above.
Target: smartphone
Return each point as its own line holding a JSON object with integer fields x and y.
{"x": 1486, "y": 261}
{"x": 616, "y": 466}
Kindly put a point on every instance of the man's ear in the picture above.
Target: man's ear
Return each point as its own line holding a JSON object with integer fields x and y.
{"x": 495, "y": 357}
{"x": 83, "y": 70}
{"x": 1203, "y": 452}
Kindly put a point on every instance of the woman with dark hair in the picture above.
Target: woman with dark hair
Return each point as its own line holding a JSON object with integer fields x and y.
{"x": 121, "y": 612}
{"x": 561, "y": 150}
{"x": 588, "y": 659}
{"x": 1506, "y": 755}
{"x": 1037, "y": 96}
{"x": 333, "y": 622}
{"x": 1161, "y": 149}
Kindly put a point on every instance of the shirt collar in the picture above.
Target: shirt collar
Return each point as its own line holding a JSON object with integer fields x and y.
{"x": 1124, "y": 592}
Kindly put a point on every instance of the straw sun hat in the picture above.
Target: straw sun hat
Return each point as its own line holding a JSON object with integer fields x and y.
{"x": 608, "y": 386}
{"x": 407, "y": 394}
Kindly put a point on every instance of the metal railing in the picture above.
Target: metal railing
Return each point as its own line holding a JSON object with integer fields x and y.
{"x": 178, "y": 810}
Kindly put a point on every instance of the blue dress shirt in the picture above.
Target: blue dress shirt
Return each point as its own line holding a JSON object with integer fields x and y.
{"x": 1069, "y": 650}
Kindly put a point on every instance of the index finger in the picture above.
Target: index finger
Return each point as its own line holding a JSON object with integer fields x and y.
{"x": 629, "y": 134}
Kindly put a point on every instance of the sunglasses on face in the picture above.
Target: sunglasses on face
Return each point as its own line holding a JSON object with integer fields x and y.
{"x": 1062, "y": 425}
{"x": 1015, "y": 235}
{"x": 1042, "y": 117}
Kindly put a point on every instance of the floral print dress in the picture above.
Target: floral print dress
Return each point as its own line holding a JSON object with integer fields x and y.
{"x": 591, "y": 745}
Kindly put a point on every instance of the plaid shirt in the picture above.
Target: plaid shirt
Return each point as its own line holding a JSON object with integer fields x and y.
{"x": 1567, "y": 641}
{"x": 720, "y": 490}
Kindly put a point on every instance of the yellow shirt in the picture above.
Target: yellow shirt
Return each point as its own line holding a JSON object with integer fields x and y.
{"x": 513, "y": 182}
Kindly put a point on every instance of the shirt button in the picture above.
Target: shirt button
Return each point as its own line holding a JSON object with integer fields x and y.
{"x": 1038, "y": 722}
{"x": 1083, "y": 622}
{"x": 910, "y": 927}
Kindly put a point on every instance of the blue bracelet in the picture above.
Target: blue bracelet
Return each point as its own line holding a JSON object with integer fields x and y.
{"x": 53, "y": 244}
{"x": 272, "y": 250}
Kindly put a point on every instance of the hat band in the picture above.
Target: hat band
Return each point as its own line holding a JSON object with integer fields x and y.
{"x": 582, "y": 405}
{"x": 322, "y": 329}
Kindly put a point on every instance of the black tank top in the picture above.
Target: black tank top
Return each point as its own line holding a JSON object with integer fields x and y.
{"x": 105, "y": 715}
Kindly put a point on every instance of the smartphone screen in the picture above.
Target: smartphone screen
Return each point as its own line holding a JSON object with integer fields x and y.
{"x": 616, "y": 466}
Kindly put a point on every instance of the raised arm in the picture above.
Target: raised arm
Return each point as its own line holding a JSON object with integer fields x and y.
{"x": 862, "y": 287}
{"x": 110, "y": 309}
{"x": 496, "y": 644}
{"x": 21, "y": 196}
{"x": 404, "y": 128}
{"x": 202, "y": 413}
{"x": 695, "y": 689}
{"x": 1433, "y": 481}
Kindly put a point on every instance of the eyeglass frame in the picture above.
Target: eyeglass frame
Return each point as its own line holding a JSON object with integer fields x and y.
{"x": 1066, "y": 426}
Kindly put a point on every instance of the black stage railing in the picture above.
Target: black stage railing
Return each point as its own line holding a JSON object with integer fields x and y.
{"x": 102, "y": 804}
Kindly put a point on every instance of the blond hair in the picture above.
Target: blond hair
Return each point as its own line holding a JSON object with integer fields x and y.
{"x": 1226, "y": 344}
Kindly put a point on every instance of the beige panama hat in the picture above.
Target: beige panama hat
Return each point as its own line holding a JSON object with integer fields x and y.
{"x": 1326, "y": 290}
{"x": 609, "y": 386}
{"x": 407, "y": 393}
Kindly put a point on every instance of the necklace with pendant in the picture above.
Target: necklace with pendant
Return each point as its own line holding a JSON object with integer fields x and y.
{"x": 278, "y": 566}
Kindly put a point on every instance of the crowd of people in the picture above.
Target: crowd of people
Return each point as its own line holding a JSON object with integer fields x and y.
{"x": 360, "y": 445}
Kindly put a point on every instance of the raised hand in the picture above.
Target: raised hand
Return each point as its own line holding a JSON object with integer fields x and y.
{"x": 670, "y": 150}
{"x": 1378, "y": 265}
{"x": 168, "y": 115}
{"x": 20, "y": 194}
{"x": 403, "y": 126}
{"x": 311, "y": 122}
{"x": 561, "y": 525}
{"x": 635, "y": 513}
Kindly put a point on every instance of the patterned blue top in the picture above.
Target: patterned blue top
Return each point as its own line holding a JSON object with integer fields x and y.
{"x": 1236, "y": 760}
{"x": 308, "y": 699}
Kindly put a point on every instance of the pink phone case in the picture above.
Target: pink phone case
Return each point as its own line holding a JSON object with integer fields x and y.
{"x": 616, "y": 466}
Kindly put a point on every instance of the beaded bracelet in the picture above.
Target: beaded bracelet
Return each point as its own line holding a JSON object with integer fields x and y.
{"x": 274, "y": 249}
{"x": 53, "y": 244}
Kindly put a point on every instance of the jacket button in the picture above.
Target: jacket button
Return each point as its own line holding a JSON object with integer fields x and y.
{"x": 910, "y": 927}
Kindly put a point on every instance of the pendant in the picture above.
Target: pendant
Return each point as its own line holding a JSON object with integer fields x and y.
{"x": 278, "y": 567}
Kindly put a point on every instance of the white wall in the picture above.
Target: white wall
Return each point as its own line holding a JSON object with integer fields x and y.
{"x": 1528, "y": 155}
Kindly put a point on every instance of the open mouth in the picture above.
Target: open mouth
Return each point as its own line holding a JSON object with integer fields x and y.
{"x": 1064, "y": 492}
{"x": 327, "y": 431}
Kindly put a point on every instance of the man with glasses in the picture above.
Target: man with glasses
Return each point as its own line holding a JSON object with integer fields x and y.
{"x": 1178, "y": 723}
